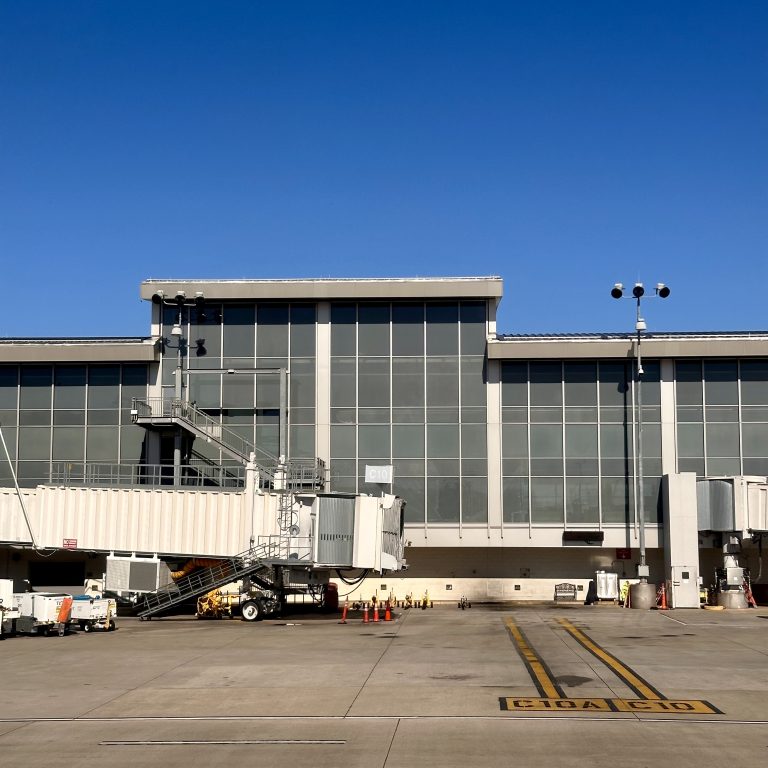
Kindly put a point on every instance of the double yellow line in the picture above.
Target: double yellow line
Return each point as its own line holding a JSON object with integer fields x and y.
{"x": 545, "y": 681}
{"x": 539, "y": 671}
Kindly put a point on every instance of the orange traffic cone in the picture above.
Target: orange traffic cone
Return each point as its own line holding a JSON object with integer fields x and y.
{"x": 662, "y": 597}
{"x": 388, "y": 612}
{"x": 365, "y": 613}
{"x": 375, "y": 612}
{"x": 344, "y": 612}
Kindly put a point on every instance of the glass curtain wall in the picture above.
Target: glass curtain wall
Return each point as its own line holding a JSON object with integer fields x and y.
{"x": 567, "y": 442}
{"x": 69, "y": 414}
{"x": 408, "y": 389}
{"x": 722, "y": 416}
{"x": 246, "y": 338}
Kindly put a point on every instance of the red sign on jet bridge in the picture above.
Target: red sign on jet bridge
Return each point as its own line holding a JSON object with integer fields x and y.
{"x": 69, "y": 544}
{"x": 624, "y": 553}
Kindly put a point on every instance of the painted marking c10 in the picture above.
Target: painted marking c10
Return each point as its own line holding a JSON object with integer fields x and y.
{"x": 665, "y": 706}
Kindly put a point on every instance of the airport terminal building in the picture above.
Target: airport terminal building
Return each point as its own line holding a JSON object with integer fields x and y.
{"x": 516, "y": 455}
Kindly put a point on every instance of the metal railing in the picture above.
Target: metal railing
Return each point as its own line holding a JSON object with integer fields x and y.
{"x": 249, "y": 563}
{"x": 159, "y": 408}
{"x": 196, "y": 475}
{"x": 300, "y": 473}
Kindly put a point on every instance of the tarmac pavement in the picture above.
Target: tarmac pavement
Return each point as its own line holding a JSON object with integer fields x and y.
{"x": 489, "y": 686}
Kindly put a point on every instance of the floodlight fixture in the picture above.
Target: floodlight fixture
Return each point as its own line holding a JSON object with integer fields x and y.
{"x": 662, "y": 291}
{"x": 638, "y": 290}
{"x": 617, "y": 291}
{"x": 158, "y": 297}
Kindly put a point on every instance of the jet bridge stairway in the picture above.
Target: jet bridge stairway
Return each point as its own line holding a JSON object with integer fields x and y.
{"x": 253, "y": 563}
{"x": 297, "y": 474}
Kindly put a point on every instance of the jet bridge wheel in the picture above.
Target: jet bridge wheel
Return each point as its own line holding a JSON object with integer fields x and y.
{"x": 252, "y": 610}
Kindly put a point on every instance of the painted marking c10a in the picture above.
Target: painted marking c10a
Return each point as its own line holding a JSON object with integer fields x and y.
{"x": 665, "y": 706}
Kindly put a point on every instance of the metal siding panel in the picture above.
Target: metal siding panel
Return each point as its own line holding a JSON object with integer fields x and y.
{"x": 335, "y": 530}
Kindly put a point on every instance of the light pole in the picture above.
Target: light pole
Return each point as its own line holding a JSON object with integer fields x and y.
{"x": 179, "y": 300}
{"x": 642, "y": 595}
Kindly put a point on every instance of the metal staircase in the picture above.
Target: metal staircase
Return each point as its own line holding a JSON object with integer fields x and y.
{"x": 297, "y": 474}
{"x": 252, "y": 563}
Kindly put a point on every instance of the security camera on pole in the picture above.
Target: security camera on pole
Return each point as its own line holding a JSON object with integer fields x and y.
{"x": 642, "y": 595}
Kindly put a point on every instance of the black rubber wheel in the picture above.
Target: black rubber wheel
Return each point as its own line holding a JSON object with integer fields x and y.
{"x": 251, "y": 610}
{"x": 86, "y": 626}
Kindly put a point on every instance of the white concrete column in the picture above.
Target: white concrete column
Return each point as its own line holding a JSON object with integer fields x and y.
{"x": 323, "y": 383}
{"x": 493, "y": 436}
{"x": 668, "y": 418}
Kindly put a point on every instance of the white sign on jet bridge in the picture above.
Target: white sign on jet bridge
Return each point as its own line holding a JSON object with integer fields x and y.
{"x": 383, "y": 474}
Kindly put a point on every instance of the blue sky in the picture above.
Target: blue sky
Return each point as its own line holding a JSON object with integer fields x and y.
{"x": 561, "y": 145}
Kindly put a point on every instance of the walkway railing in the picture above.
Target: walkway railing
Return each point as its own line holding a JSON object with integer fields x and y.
{"x": 195, "y": 475}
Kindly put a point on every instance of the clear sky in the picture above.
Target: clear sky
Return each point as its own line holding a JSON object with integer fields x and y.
{"x": 561, "y": 145}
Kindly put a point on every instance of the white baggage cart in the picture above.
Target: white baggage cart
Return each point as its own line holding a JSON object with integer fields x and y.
{"x": 91, "y": 613}
{"x": 42, "y": 612}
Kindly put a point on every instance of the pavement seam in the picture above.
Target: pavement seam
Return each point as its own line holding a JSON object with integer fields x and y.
{"x": 378, "y": 661}
{"x": 392, "y": 741}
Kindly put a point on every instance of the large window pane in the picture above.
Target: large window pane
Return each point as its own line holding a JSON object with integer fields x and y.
{"x": 301, "y": 440}
{"x": 34, "y": 443}
{"x": 442, "y": 329}
{"x": 373, "y": 382}
{"x": 617, "y": 500}
{"x": 407, "y": 441}
{"x": 473, "y": 327}
{"x": 580, "y": 384}
{"x": 754, "y": 382}
{"x": 473, "y": 441}
{"x": 68, "y": 443}
{"x": 515, "y": 499}
{"x": 547, "y": 500}
{"x": 546, "y": 441}
{"x": 302, "y": 382}
{"x": 472, "y": 381}
{"x": 514, "y": 384}
{"x": 102, "y": 444}
{"x": 443, "y": 496}
{"x": 614, "y": 386}
{"x": 272, "y": 330}
{"x": 721, "y": 382}
{"x": 69, "y": 386}
{"x": 407, "y": 381}
{"x": 343, "y": 382}
{"x": 343, "y": 329}
{"x": 546, "y": 384}
{"x": 373, "y": 442}
{"x": 690, "y": 440}
{"x": 35, "y": 386}
{"x": 408, "y": 329}
{"x": 581, "y": 440}
{"x": 412, "y": 490}
{"x": 722, "y": 440}
{"x": 615, "y": 441}
{"x": 688, "y": 387}
{"x": 755, "y": 438}
{"x": 514, "y": 440}
{"x": 303, "y": 330}
{"x": 581, "y": 500}
{"x": 373, "y": 329}
{"x": 104, "y": 386}
{"x": 442, "y": 381}
{"x": 239, "y": 331}
{"x": 443, "y": 441}
{"x": 474, "y": 499}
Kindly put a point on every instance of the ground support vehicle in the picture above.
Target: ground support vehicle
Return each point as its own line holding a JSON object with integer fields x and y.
{"x": 89, "y": 613}
{"x": 8, "y": 612}
{"x": 42, "y": 613}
